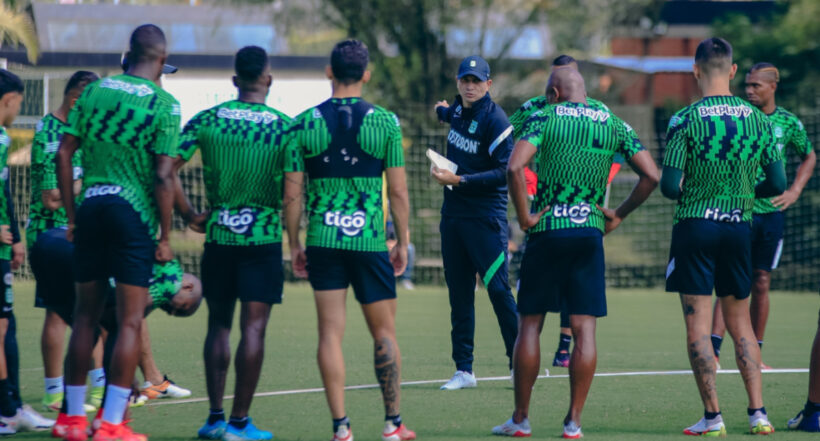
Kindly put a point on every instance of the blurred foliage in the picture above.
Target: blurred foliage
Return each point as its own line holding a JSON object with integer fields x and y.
{"x": 16, "y": 28}
{"x": 789, "y": 39}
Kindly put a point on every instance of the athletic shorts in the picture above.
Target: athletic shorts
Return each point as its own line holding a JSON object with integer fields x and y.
{"x": 250, "y": 273}
{"x": 7, "y": 304}
{"x": 370, "y": 273}
{"x": 563, "y": 269}
{"x": 767, "y": 240}
{"x": 707, "y": 254}
{"x": 110, "y": 240}
{"x": 51, "y": 262}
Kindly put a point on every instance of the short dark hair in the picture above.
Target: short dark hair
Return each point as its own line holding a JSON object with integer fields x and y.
{"x": 713, "y": 54}
{"x": 766, "y": 67}
{"x": 348, "y": 61}
{"x": 79, "y": 80}
{"x": 563, "y": 60}
{"x": 147, "y": 43}
{"x": 9, "y": 83}
{"x": 250, "y": 62}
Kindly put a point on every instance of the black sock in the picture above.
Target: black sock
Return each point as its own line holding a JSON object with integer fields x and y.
{"x": 760, "y": 344}
{"x": 711, "y": 415}
{"x": 216, "y": 415}
{"x": 7, "y": 409}
{"x": 751, "y": 412}
{"x": 563, "y": 342}
{"x": 239, "y": 423}
{"x": 716, "y": 342}
{"x": 396, "y": 420}
{"x": 810, "y": 409}
{"x": 338, "y": 422}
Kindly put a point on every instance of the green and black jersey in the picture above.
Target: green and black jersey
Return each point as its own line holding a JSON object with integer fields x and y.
{"x": 47, "y": 136}
{"x": 719, "y": 143}
{"x": 789, "y": 134}
{"x": 122, "y": 122}
{"x": 242, "y": 145}
{"x": 165, "y": 283}
{"x": 535, "y": 104}
{"x": 5, "y": 144}
{"x": 343, "y": 146}
{"x": 576, "y": 143}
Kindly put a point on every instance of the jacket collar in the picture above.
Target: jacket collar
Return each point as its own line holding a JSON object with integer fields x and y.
{"x": 476, "y": 107}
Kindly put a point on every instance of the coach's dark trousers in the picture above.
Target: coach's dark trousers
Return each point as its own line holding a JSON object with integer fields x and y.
{"x": 471, "y": 246}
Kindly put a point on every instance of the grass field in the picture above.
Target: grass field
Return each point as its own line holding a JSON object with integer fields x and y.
{"x": 644, "y": 332}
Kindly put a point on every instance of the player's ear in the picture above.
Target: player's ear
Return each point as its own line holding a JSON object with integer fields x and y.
{"x": 489, "y": 83}
{"x": 269, "y": 81}
{"x": 365, "y": 76}
{"x": 696, "y": 71}
{"x": 329, "y": 72}
{"x": 733, "y": 71}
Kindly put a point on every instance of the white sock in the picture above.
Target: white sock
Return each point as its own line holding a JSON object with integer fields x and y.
{"x": 116, "y": 400}
{"x": 54, "y": 385}
{"x": 96, "y": 377}
{"x": 74, "y": 398}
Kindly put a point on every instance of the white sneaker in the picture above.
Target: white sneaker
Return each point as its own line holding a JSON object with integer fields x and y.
{"x": 8, "y": 425}
{"x": 460, "y": 380}
{"x": 407, "y": 284}
{"x": 166, "y": 389}
{"x": 29, "y": 420}
{"x": 509, "y": 428}
{"x": 572, "y": 431}
{"x": 701, "y": 428}
{"x": 761, "y": 425}
{"x": 343, "y": 434}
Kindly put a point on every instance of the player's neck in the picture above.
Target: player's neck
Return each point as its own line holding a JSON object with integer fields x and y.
{"x": 61, "y": 113}
{"x": 252, "y": 97}
{"x": 346, "y": 90}
{"x": 144, "y": 72}
{"x": 715, "y": 87}
{"x": 769, "y": 107}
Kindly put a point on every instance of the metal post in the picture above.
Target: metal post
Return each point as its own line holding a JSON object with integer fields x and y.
{"x": 45, "y": 94}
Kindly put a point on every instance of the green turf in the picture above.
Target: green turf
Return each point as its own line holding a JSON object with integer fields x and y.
{"x": 644, "y": 331}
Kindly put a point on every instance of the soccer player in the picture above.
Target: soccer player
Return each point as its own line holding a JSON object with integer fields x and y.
{"x": 714, "y": 149}
{"x": 769, "y": 217}
{"x": 128, "y": 129}
{"x": 518, "y": 119}
{"x": 474, "y": 231}
{"x": 343, "y": 146}
{"x": 243, "y": 146}
{"x": 808, "y": 419}
{"x": 563, "y": 265}
{"x": 46, "y": 212}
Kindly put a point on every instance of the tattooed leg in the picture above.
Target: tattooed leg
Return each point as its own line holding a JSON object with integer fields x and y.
{"x": 747, "y": 352}
{"x": 697, "y": 311}
{"x": 380, "y": 317}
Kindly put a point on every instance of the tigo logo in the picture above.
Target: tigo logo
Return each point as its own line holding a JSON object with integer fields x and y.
{"x": 102, "y": 190}
{"x": 238, "y": 223}
{"x": 577, "y": 214}
{"x": 351, "y": 224}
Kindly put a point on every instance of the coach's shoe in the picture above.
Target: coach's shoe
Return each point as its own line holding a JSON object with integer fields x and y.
{"x": 761, "y": 426}
{"x": 28, "y": 420}
{"x": 117, "y": 432}
{"x": 343, "y": 433}
{"x": 800, "y": 422}
{"x": 393, "y": 433}
{"x": 52, "y": 402}
{"x": 212, "y": 431}
{"x": 72, "y": 427}
{"x": 249, "y": 433}
{"x": 561, "y": 359}
{"x": 166, "y": 389}
{"x": 460, "y": 380}
{"x": 702, "y": 429}
{"x": 572, "y": 431}
{"x": 510, "y": 428}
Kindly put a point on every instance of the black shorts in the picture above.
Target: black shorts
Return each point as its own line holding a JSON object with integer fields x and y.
{"x": 7, "y": 304}
{"x": 708, "y": 254}
{"x": 51, "y": 259}
{"x": 563, "y": 269}
{"x": 248, "y": 273}
{"x": 370, "y": 273}
{"x": 110, "y": 240}
{"x": 767, "y": 240}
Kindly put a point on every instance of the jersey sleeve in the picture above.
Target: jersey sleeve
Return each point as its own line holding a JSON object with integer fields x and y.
{"x": 294, "y": 150}
{"x": 189, "y": 139}
{"x": 628, "y": 142}
{"x": 395, "y": 150}
{"x": 533, "y": 131}
{"x": 768, "y": 143}
{"x": 5, "y": 144}
{"x": 167, "y": 135}
{"x": 799, "y": 141}
{"x": 677, "y": 143}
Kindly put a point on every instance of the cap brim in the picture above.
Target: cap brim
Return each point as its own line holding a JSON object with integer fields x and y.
{"x": 480, "y": 75}
{"x": 168, "y": 69}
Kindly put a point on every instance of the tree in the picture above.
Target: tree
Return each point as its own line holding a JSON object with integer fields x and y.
{"x": 16, "y": 28}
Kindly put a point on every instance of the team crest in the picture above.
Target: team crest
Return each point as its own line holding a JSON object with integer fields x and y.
{"x": 473, "y": 127}
{"x": 778, "y": 131}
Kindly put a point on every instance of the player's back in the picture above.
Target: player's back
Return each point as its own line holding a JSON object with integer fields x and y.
{"x": 576, "y": 143}
{"x": 242, "y": 146}
{"x": 43, "y": 176}
{"x": 122, "y": 122}
{"x": 344, "y": 146}
{"x": 719, "y": 142}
